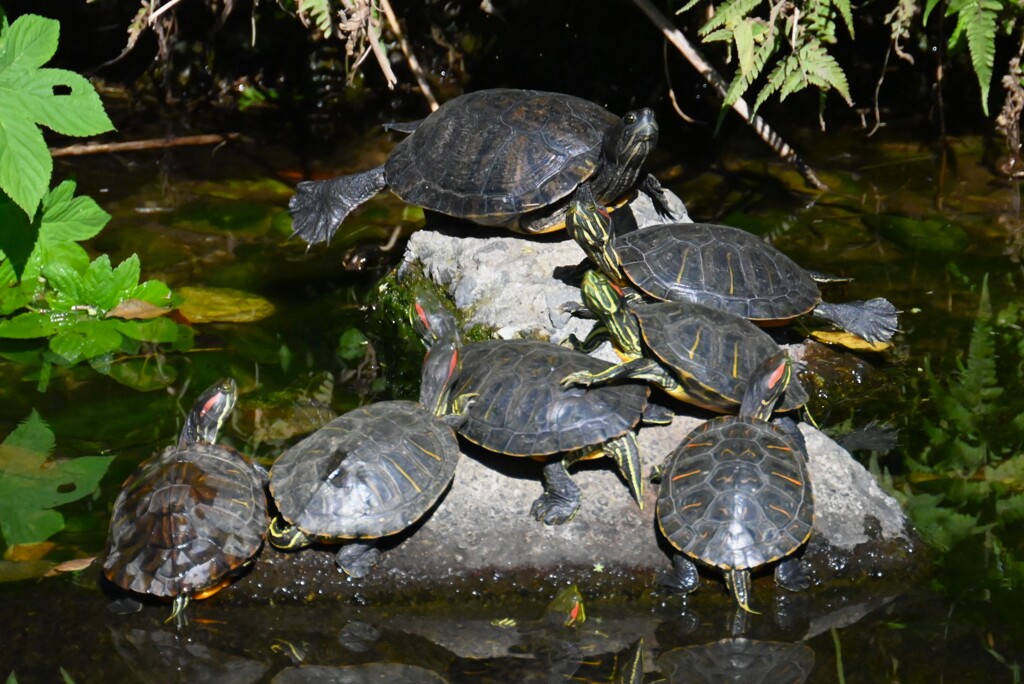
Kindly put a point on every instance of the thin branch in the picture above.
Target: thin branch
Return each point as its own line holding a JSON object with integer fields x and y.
{"x": 410, "y": 56}
{"x": 140, "y": 145}
{"x": 373, "y": 36}
{"x": 763, "y": 130}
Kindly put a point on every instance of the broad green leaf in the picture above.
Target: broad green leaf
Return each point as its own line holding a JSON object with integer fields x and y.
{"x": 69, "y": 218}
{"x": 30, "y": 42}
{"x": 125, "y": 279}
{"x": 18, "y": 234}
{"x": 152, "y": 330}
{"x": 155, "y": 292}
{"x": 25, "y": 164}
{"x": 31, "y": 485}
{"x": 68, "y": 283}
{"x": 28, "y": 325}
{"x": 352, "y": 345}
{"x": 98, "y": 285}
{"x": 78, "y": 111}
{"x": 86, "y": 340}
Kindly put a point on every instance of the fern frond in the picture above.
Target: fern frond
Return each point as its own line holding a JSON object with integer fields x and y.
{"x": 846, "y": 12}
{"x": 722, "y": 34}
{"x": 821, "y": 69}
{"x": 320, "y": 12}
{"x": 729, "y": 15}
{"x": 743, "y": 78}
{"x": 980, "y": 27}
{"x": 743, "y": 35}
{"x": 778, "y": 76}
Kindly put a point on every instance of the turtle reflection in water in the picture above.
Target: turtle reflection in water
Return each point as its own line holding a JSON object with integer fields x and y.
{"x": 502, "y": 157}
{"x": 736, "y": 493}
{"x": 738, "y": 660}
{"x": 192, "y": 516}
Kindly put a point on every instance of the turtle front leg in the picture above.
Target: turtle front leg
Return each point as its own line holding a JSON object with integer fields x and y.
{"x": 793, "y": 574}
{"x": 357, "y": 558}
{"x": 561, "y": 497}
{"x": 319, "y": 207}
{"x": 644, "y": 369}
{"x": 683, "y": 577}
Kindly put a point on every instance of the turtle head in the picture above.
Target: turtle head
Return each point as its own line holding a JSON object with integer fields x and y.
{"x": 208, "y": 413}
{"x": 629, "y": 141}
{"x": 766, "y": 385}
{"x": 441, "y": 367}
{"x": 430, "y": 318}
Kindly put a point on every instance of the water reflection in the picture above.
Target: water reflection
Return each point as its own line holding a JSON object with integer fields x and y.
{"x": 739, "y": 660}
{"x": 159, "y": 654}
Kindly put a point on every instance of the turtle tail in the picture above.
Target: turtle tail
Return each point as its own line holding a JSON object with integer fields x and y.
{"x": 738, "y": 582}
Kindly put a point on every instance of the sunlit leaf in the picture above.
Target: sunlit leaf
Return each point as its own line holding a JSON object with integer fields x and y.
{"x": 214, "y": 304}
{"x": 28, "y": 552}
{"x": 137, "y": 309}
{"x": 849, "y": 340}
{"x": 352, "y": 345}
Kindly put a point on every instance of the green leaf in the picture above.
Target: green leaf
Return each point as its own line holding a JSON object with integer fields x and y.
{"x": 28, "y": 43}
{"x": 99, "y": 288}
{"x": 977, "y": 19}
{"x": 66, "y": 280}
{"x": 69, "y": 218}
{"x": 929, "y": 6}
{"x": 153, "y": 291}
{"x": 153, "y": 330}
{"x": 25, "y": 164}
{"x": 78, "y": 111}
{"x": 31, "y": 485}
{"x": 18, "y": 234}
{"x": 125, "y": 279}
{"x": 28, "y": 325}
{"x": 729, "y": 14}
{"x": 86, "y": 340}
{"x": 144, "y": 375}
{"x": 744, "y": 37}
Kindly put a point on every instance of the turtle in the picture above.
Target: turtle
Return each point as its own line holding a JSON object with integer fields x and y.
{"x": 501, "y": 157}
{"x": 695, "y": 353}
{"x": 737, "y": 659}
{"x": 521, "y": 409}
{"x": 736, "y": 494}
{"x": 718, "y": 266}
{"x": 371, "y": 472}
{"x": 191, "y": 517}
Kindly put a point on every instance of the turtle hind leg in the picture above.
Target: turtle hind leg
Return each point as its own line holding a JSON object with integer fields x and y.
{"x": 874, "y": 320}
{"x": 319, "y": 207}
{"x": 561, "y": 497}
{"x": 793, "y": 574}
{"x": 357, "y": 558}
{"x": 683, "y": 577}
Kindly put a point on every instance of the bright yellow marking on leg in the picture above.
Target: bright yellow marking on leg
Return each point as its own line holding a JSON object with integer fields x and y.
{"x": 798, "y": 483}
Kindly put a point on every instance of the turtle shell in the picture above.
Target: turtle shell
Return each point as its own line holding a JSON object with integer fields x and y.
{"x": 368, "y": 473}
{"x": 494, "y": 155}
{"x": 718, "y": 266}
{"x": 521, "y": 408}
{"x": 736, "y": 494}
{"x": 186, "y": 519}
{"x": 714, "y": 353}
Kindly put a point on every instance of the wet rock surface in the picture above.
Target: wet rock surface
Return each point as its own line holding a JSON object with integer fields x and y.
{"x": 481, "y": 538}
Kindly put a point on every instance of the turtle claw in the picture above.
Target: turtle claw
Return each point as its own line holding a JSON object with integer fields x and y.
{"x": 552, "y": 509}
{"x": 682, "y": 578}
{"x": 356, "y": 559}
{"x": 578, "y": 379}
{"x": 793, "y": 575}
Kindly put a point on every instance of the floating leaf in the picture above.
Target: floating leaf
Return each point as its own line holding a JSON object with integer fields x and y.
{"x": 31, "y": 485}
{"x": 217, "y": 304}
{"x": 144, "y": 375}
{"x": 75, "y": 565}
{"x": 137, "y": 309}
{"x": 849, "y": 340}
{"x": 28, "y": 552}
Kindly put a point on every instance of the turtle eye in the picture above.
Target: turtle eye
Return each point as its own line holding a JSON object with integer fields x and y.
{"x": 630, "y": 118}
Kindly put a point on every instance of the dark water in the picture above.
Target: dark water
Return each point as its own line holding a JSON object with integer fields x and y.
{"x": 200, "y": 219}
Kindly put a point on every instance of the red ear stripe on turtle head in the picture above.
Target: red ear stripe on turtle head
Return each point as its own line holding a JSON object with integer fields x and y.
{"x": 778, "y": 374}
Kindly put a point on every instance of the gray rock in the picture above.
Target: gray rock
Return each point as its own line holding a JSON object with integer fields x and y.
{"x": 483, "y": 527}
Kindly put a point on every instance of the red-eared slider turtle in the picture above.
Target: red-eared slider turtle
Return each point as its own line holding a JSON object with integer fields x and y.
{"x": 503, "y": 157}
{"x": 736, "y": 493}
{"x": 718, "y": 266}
{"x": 693, "y": 352}
{"x": 188, "y": 518}
{"x": 520, "y": 409}
{"x": 371, "y": 472}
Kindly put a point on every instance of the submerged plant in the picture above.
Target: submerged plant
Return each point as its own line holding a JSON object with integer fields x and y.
{"x": 966, "y": 481}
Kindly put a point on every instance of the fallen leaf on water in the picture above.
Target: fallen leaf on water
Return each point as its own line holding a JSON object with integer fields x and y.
{"x": 73, "y": 565}
{"x": 220, "y": 304}
{"x": 28, "y": 552}
{"x": 15, "y": 571}
{"x": 137, "y": 309}
{"x": 849, "y": 340}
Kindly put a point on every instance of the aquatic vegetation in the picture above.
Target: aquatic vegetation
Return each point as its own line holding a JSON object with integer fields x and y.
{"x": 71, "y": 308}
{"x": 966, "y": 478}
{"x": 31, "y": 484}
